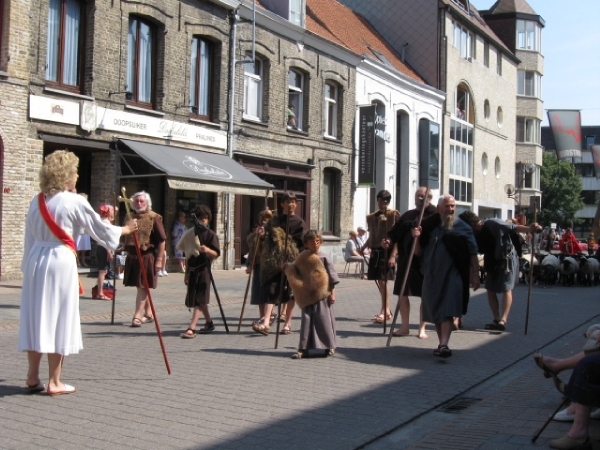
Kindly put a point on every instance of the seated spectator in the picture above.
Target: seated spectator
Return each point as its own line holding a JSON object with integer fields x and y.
{"x": 583, "y": 390}
{"x": 352, "y": 253}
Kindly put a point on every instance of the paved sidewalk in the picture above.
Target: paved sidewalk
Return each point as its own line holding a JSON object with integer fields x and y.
{"x": 236, "y": 391}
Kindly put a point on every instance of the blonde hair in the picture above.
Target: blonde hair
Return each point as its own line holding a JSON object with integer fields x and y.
{"x": 59, "y": 169}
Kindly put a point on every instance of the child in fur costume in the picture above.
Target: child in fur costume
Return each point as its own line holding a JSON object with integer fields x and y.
{"x": 312, "y": 277}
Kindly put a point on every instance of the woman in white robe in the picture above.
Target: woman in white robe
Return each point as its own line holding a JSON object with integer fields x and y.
{"x": 50, "y": 320}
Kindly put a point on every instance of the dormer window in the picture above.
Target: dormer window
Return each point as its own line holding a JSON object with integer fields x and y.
{"x": 296, "y": 12}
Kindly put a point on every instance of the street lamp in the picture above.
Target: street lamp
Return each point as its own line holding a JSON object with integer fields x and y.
{"x": 510, "y": 189}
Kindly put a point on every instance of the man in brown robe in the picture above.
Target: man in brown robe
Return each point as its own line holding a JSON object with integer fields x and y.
{"x": 151, "y": 237}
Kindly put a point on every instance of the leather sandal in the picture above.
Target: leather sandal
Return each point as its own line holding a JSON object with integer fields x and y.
{"x": 191, "y": 335}
{"x": 261, "y": 328}
{"x": 136, "y": 322}
{"x": 300, "y": 354}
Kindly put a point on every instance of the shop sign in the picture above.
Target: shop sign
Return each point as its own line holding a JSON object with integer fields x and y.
{"x": 380, "y": 128}
{"x": 46, "y": 108}
{"x": 112, "y": 120}
{"x": 366, "y": 146}
{"x": 188, "y": 185}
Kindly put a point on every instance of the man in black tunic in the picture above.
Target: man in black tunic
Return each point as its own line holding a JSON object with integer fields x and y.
{"x": 401, "y": 242}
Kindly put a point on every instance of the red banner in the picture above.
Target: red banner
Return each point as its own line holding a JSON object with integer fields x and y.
{"x": 566, "y": 129}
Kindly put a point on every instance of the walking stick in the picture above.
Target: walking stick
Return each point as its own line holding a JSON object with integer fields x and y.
{"x": 199, "y": 224}
{"x": 287, "y": 233}
{"x": 127, "y": 202}
{"x": 212, "y": 280}
{"x": 558, "y": 408}
{"x": 530, "y": 270}
{"x": 406, "y": 272}
{"x": 114, "y": 299}
{"x": 256, "y": 248}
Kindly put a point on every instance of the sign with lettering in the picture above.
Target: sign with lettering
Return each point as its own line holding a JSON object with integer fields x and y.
{"x": 380, "y": 128}
{"x": 366, "y": 146}
{"x": 46, "y": 108}
{"x": 190, "y": 185}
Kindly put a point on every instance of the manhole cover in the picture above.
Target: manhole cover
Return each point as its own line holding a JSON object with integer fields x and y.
{"x": 459, "y": 405}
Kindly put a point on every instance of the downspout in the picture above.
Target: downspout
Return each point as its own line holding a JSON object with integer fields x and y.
{"x": 227, "y": 197}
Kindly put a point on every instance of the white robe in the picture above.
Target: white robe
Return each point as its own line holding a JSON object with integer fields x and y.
{"x": 50, "y": 320}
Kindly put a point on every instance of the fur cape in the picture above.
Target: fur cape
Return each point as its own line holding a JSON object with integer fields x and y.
{"x": 379, "y": 225}
{"x": 189, "y": 244}
{"x": 273, "y": 250}
{"x": 308, "y": 279}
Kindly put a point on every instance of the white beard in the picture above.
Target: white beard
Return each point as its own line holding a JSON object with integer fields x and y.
{"x": 449, "y": 222}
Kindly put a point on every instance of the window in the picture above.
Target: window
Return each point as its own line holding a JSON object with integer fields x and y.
{"x": 486, "y": 54}
{"x": 500, "y": 116}
{"x": 461, "y": 161}
{"x": 462, "y": 40}
{"x": 486, "y": 110}
{"x": 295, "y": 100}
{"x": 141, "y": 62}
{"x": 296, "y": 12}
{"x": 463, "y": 107}
{"x": 1, "y": 30}
{"x": 331, "y": 110}
{"x": 484, "y": 163}
{"x": 328, "y": 212}
{"x": 529, "y": 83}
{"x": 253, "y": 88}
{"x": 528, "y": 130}
{"x": 497, "y": 167}
{"x": 200, "y": 77}
{"x": 499, "y": 63}
{"x": 532, "y": 178}
{"x": 529, "y": 35}
{"x": 65, "y": 32}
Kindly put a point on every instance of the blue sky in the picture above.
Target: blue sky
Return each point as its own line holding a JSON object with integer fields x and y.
{"x": 571, "y": 49}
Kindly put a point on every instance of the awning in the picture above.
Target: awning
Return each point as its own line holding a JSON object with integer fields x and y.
{"x": 196, "y": 170}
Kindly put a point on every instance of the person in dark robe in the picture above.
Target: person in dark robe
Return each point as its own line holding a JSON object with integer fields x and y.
{"x": 197, "y": 270}
{"x": 273, "y": 253}
{"x": 449, "y": 264}
{"x": 400, "y": 241}
{"x": 312, "y": 277}
{"x": 379, "y": 223}
{"x": 254, "y": 245}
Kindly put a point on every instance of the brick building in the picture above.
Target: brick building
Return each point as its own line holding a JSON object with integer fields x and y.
{"x": 123, "y": 85}
{"x": 454, "y": 50}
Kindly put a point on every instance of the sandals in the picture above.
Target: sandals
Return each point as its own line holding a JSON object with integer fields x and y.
{"x": 261, "y": 328}
{"x": 191, "y": 335}
{"x": 496, "y": 325}
{"x": 286, "y": 330}
{"x": 300, "y": 354}
{"x": 330, "y": 352}
{"x": 539, "y": 361}
{"x": 442, "y": 351}
{"x": 136, "y": 322}
{"x": 207, "y": 328}
{"x": 282, "y": 318}
{"x": 102, "y": 297}
{"x": 147, "y": 319}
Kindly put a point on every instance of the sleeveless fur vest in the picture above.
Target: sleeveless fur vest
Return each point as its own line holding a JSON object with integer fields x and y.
{"x": 145, "y": 223}
{"x": 308, "y": 279}
{"x": 273, "y": 250}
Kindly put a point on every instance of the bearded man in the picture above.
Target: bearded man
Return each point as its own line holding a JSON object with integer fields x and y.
{"x": 449, "y": 262}
{"x": 152, "y": 237}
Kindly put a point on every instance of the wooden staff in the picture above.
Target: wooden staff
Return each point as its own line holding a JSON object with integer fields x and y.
{"x": 256, "y": 249}
{"x": 114, "y": 299}
{"x": 285, "y": 252}
{"x": 127, "y": 202}
{"x": 385, "y": 274}
{"x": 406, "y": 272}
{"x": 530, "y": 269}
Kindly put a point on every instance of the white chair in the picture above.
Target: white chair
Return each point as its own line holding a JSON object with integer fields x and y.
{"x": 357, "y": 266}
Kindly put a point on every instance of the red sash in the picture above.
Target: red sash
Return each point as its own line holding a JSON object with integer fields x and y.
{"x": 57, "y": 231}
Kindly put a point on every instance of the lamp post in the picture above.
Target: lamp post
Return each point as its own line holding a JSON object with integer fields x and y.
{"x": 510, "y": 189}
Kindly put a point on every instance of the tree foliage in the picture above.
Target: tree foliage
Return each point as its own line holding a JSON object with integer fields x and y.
{"x": 561, "y": 191}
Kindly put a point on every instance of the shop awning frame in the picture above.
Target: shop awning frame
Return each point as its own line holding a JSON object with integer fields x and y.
{"x": 196, "y": 170}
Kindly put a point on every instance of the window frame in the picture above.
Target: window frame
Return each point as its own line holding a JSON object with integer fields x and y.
{"x": 463, "y": 40}
{"x": 528, "y": 130}
{"x": 298, "y": 93}
{"x": 535, "y": 83}
{"x": 134, "y": 93}
{"x": 526, "y": 32}
{"x": 196, "y": 73}
{"x": 486, "y": 54}
{"x": 258, "y": 79}
{"x": 499, "y": 62}
{"x": 296, "y": 12}
{"x": 329, "y": 214}
{"x": 330, "y": 110}
{"x": 64, "y": 41}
